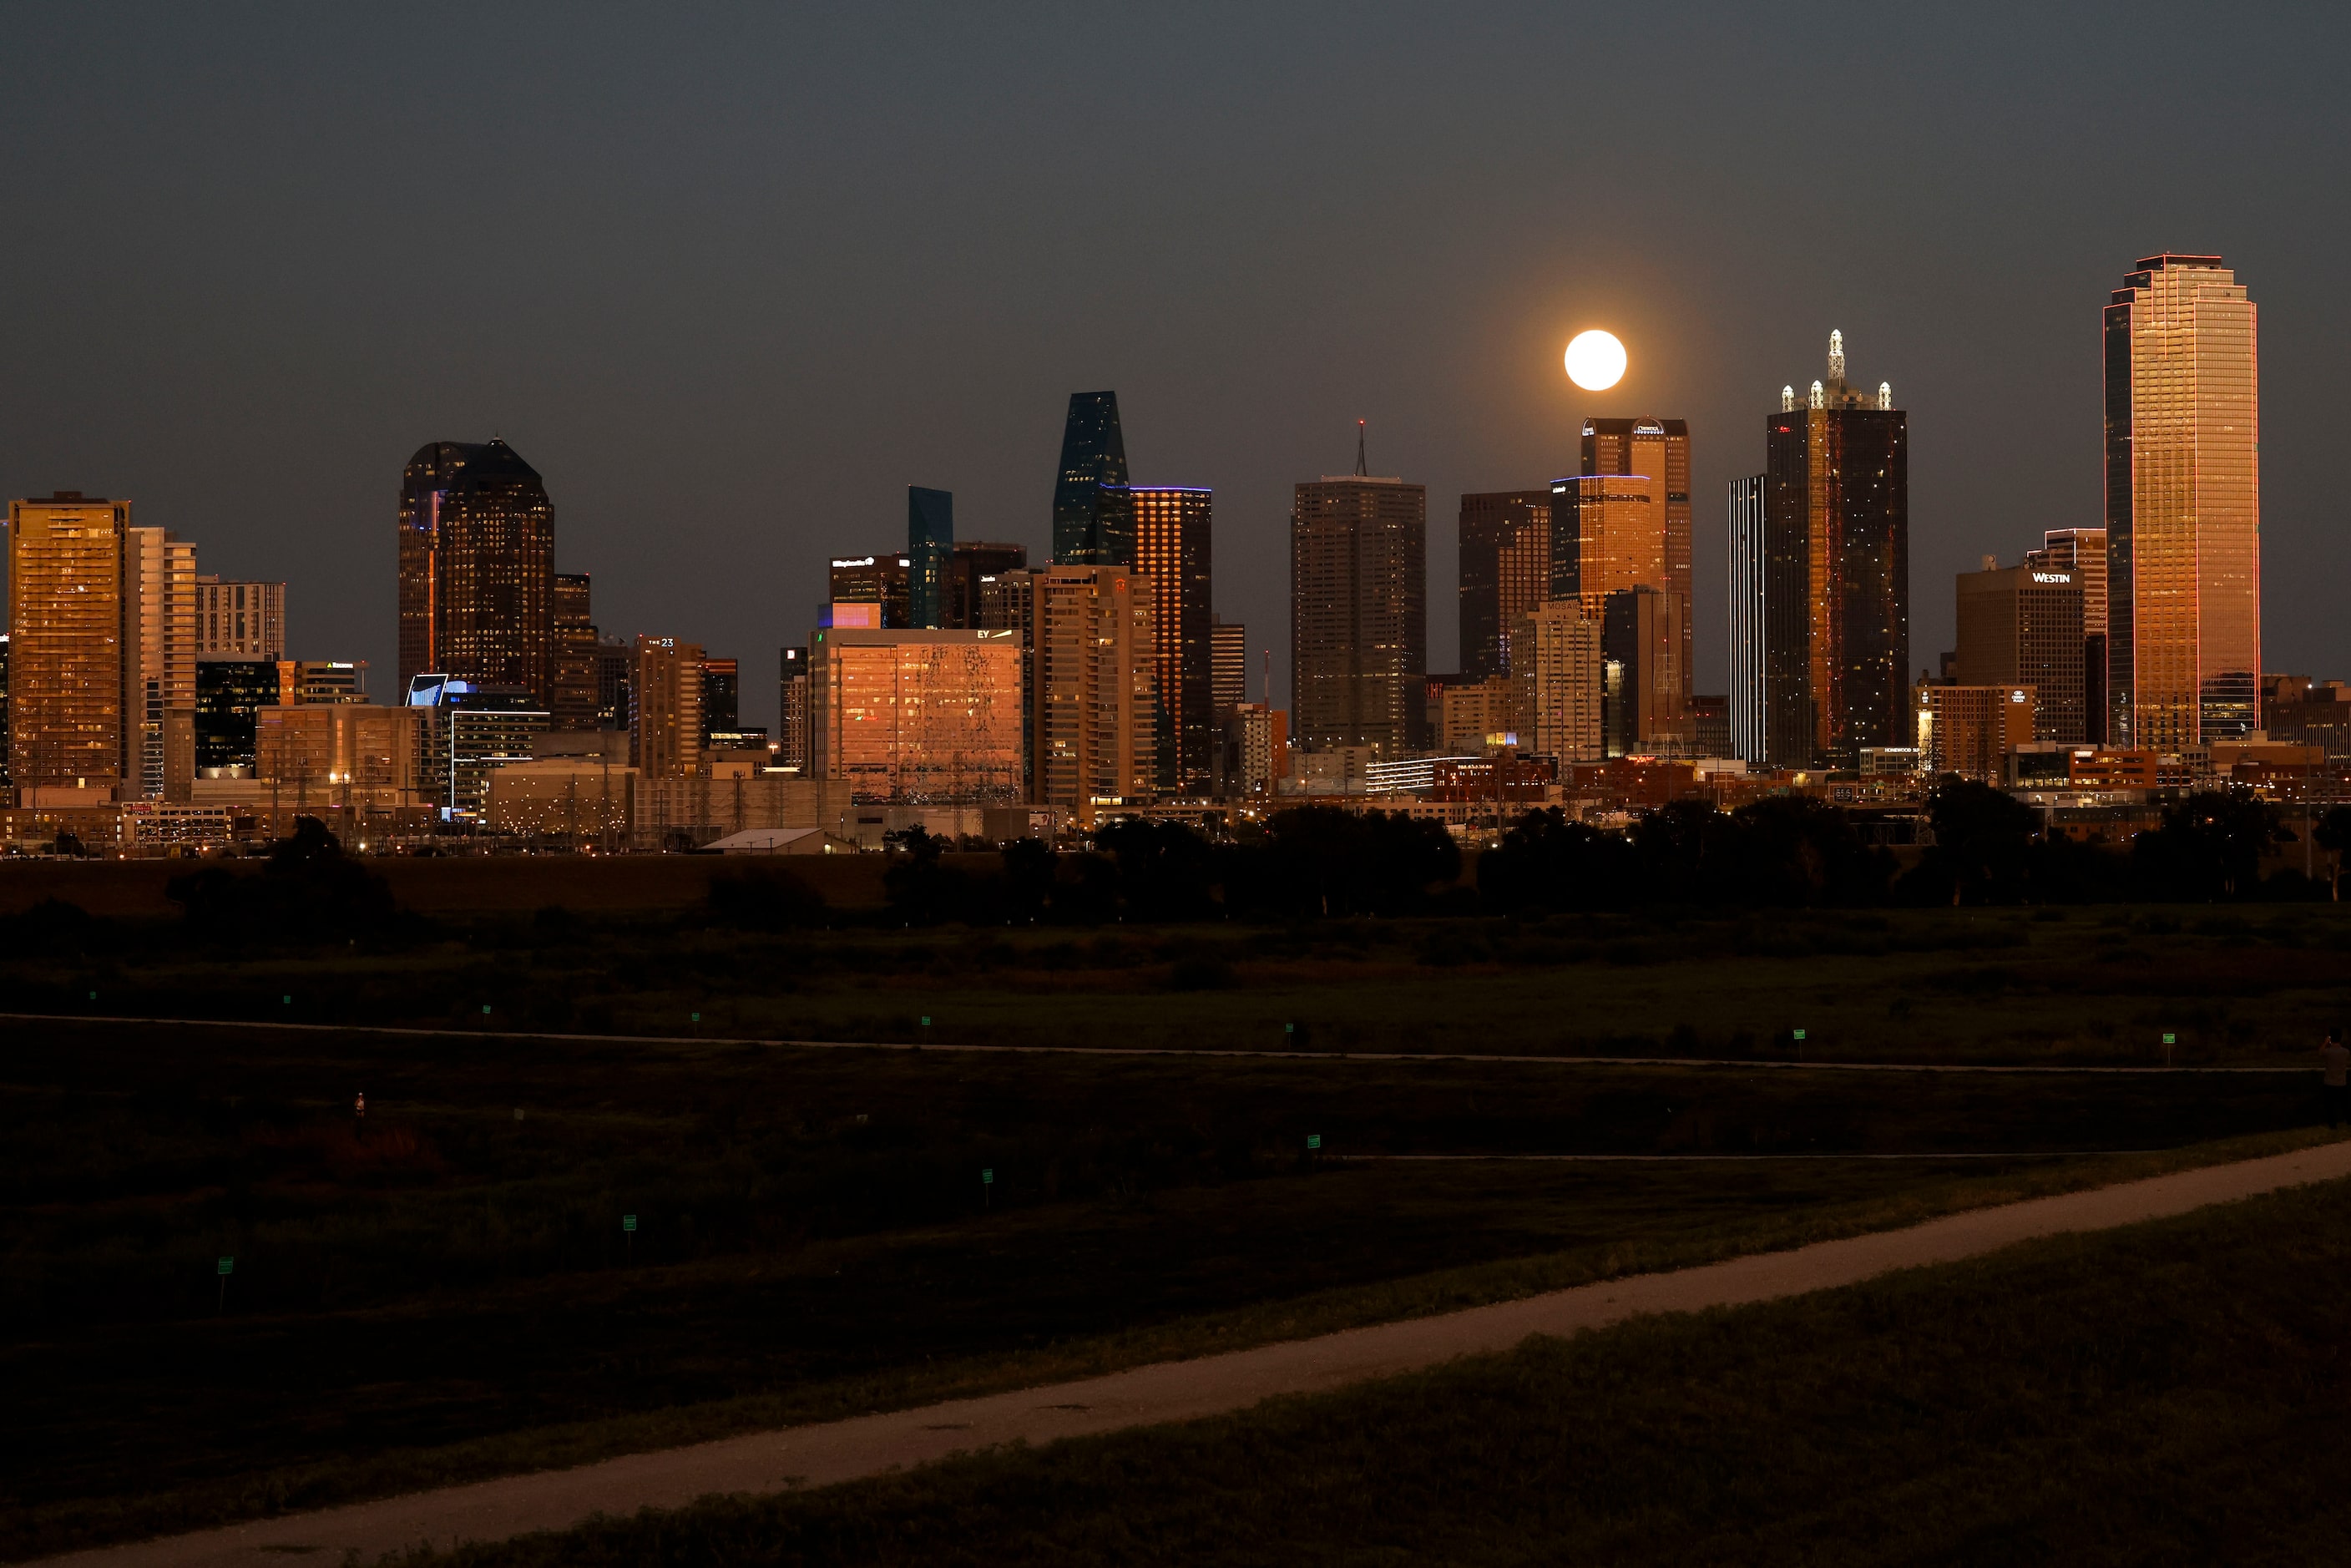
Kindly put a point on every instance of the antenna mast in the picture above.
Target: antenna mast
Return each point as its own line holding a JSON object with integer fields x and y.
{"x": 1363, "y": 469}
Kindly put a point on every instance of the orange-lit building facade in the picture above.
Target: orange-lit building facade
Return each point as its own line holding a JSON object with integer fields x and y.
{"x": 1970, "y": 731}
{"x": 1172, "y": 549}
{"x": 666, "y": 708}
{"x": 65, "y": 655}
{"x": 2183, "y": 505}
{"x": 906, "y": 716}
{"x": 1092, "y": 702}
{"x": 476, "y": 563}
{"x": 1659, "y": 450}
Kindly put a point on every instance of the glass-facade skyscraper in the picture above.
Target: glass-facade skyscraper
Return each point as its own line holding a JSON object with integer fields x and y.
{"x": 1836, "y": 497}
{"x": 476, "y": 569}
{"x": 2183, "y": 506}
{"x": 1172, "y": 549}
{"x": 1092, "y": 523}
{"x": 1505, "y": 573}
{"x": 930, "y": 546}
{"x": 1359, "y": 613}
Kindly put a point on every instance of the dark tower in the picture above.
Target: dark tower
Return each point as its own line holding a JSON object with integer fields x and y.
{"x": 1837, "y": 531}
{"x": 1092, "y": 523}
{"x": 476, "y": 569}
{"x": 930, "y": 545}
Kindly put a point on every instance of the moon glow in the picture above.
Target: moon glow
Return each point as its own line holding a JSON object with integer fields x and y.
{"x": 1595, "y": 360}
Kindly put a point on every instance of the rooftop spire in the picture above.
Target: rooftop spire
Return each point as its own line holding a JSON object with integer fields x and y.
{"x": 1363, "y": 469}
{"x": 1837, "y": 356}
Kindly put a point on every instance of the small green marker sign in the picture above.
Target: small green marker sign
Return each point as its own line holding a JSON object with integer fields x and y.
{"x": 286, "y": 1001}
{"x": 485, "y": 1009}
{"x": 1313, "y": 1140}
{"x": 697, "y": 1018}
{"x": 927, "y": 1020}
{"x": 1799, "y": 1034}
{"x": 2169, "y": 1037}
{"x": 227, "y": 1266}
{"x": 988, "y": 1175}
{"x": 1289, "y": 1029}
{"x": 628, "y": 1222}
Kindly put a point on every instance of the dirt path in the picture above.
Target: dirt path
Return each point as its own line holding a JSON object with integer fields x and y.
{"x": 1788, "y": 1064}
{"x": 1177, "y": 1391}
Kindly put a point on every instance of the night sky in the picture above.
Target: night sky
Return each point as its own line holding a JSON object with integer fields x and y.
{"x": 732, "y": 280}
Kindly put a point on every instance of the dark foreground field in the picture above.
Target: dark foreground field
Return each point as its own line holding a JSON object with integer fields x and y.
{"x": 2173, "y": 1394}
{"x": 2081, "y": 985}
{"x": 445, "y": 1291}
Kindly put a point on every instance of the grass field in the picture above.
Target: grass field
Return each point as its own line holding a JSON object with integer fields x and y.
{"x": 2172, "y": 1394}
{"x": 2049, "y": 985}
{"x": 444, "y": 1292}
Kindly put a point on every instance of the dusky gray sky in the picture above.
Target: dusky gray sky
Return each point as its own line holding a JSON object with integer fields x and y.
{"x": 733, "y": 277}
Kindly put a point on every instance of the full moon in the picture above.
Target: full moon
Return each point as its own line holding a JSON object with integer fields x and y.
{"x": 1595, "y": 360}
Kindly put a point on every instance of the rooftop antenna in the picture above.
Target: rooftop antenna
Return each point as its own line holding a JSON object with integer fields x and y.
{"x": 1268, "y": 680}
{"x": 1363, "y": 469}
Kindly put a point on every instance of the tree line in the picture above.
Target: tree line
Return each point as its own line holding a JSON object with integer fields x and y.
{"x": 1784, "y": 851}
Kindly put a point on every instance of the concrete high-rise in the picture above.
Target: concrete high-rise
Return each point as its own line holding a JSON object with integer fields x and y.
{"x": 159, "y": 663}
{"x": 666, "y": 708}
{"x": 1092, "y": 697}
{"x": 1172, "y": 548}
{"x": 930, "y": 546}
{"x": 1359, "y": 613}
{"x": 2022, "y": 626}
{"x": 1837, "y": 540}
{"x": 240, "y": 619}
{"x": 1560, "y": 673}
{"x": 2081, "y": 553}
{"x": 1506, "y": 571}
{"x": 1092, "y": 525}
{"x": 2183, "y": 505}
{"x": 65, "y": 662}
{"x": 476, "y": 569}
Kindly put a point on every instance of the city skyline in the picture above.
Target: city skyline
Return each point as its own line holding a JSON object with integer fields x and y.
{"x": 742, "y": 398}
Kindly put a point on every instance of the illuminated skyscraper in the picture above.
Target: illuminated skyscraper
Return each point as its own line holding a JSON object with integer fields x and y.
{"x": 916, "y": 716}
{"x": 1658, "y": 451}
{"x": 1172, "y": 549}
{"x": 159, "y": 663}
{"x": 1092, "y": 702}
{"x": 1560, "y": 674}
{"x": 575, "y": 705}
{"x": 2081, "y": 553}
{"x": 792, "y": 710}
{"x": 476, "y": 569}
{"x": 1359, "y": 613}
{"x": 879, "y": 580}
{"x": 1837, "y": 528}
{"x": 974, "y": 564}
{"x": 666, "y": 708}
{"x": 240, "y": 619}
{"x": 1505, "y": 573}
{"x": 65, "y": 623}
{"x": 2183, "y": 505}
{"x": 1092, "y": 525}
{"x": 2022, "y": 627}
{"x": 721, "y": 698}
{"x": 930, "y": 545}
{"x": 1228, "y": 664}
{"x": 1645, "y": 703}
